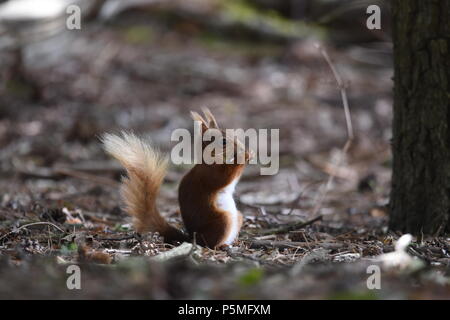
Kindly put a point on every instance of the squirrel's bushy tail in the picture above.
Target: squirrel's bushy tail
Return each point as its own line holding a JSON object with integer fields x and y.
{"x": 145, "y": 168}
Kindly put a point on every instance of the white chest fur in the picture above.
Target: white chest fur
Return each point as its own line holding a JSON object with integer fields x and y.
{"x": 226, "y": 202}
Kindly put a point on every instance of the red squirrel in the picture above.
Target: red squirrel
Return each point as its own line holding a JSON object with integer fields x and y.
{"x": 205, "y": 193}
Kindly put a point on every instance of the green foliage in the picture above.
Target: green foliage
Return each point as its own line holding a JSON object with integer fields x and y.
{"x": 138, "y": 34}
{"x": 121, "y": 227}
{"x": 239, "y": 47}
{"x": 69, "y": 249}
{"x": 251, "y": 277}
{"x": 242, "y": 12}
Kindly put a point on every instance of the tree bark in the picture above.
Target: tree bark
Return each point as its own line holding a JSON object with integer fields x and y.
{"x": 420, "y": 195}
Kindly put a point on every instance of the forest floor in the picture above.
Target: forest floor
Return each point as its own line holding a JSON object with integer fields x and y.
{"x": 59, "y": 195}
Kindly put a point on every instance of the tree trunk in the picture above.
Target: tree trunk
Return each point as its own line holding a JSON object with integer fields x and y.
{"x": 420, "y": 196}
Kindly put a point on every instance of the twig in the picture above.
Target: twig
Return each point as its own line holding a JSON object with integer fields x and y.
{"x": 237, "y": 255}
{"x": 291, "y": 244}
{"x": 29, "y": 225}
{"x": 348, "y": 120}
{"x": 127, "y": 237}
{"x": 294, "y": 203}
{"x": 342, "y": 88}
{"x": 267, "y": 237}
{"x": 417, "y": 253}
{"x": 87, "y": 176}
{"x": 276, "y": 244}
{"x": 58, "y": 173}
{"x": 290, "y": 227}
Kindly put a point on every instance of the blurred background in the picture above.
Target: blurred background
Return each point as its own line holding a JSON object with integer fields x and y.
{"x": 142, "y": 65}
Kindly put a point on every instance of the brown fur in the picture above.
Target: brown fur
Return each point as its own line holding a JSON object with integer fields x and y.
{"x": 197, "y": 196}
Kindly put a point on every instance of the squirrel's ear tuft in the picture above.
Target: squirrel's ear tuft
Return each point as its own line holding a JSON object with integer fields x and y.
{"x": 212, "y": 123}
{"x": 196, "y": 117}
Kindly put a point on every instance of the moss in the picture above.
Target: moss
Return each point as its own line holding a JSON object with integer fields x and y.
{"x": 69, "y": 249}
{"x": 241, "y": 12}
{"x": 251, "y": 277}
{"x": 19, "y": 88}
{"x": 239, "y": 47}
{"x": 138, "y": 34}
